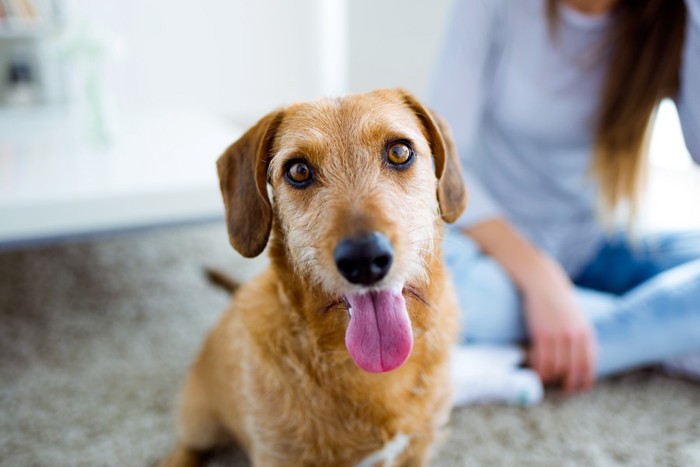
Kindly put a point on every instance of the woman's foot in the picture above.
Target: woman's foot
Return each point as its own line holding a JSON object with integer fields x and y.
{"x": 492, "y": 374}
{"x": 684, "y": 366}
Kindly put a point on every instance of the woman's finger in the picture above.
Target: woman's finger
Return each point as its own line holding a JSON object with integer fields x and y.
{"x": 544, "y": 355}
{"x": 576, "y": 366}
{"x": 589, "y": 362}
{"x": 560, "y": 355}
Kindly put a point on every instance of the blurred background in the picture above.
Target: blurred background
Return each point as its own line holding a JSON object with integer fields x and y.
{"x": 113, "y": 112}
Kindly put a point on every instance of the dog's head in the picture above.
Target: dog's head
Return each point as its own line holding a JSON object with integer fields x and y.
{"x": 359, "y": 187}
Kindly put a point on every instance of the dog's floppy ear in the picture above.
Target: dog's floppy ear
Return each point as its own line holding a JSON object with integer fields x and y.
{"x": 243, "y": 179}
{"x": 451, "y": 193}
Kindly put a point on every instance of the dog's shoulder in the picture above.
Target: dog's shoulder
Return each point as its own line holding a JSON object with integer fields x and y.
{"x": 257, "y": 302}
{"x": 261, "y": 309}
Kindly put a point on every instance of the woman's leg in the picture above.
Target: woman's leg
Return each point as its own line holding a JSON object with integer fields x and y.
{"x": 624, "y": 263}
{"x": 487, "y": 368}
{"x": 489, "y": 302}
{"x": 656, "y": 320}
{"x": 491, "y": 308}
{"x": 657, "y": 313}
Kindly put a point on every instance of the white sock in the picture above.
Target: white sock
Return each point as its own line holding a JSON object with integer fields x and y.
{"x": 684, "y": 366}
{"x": 483, "y": 374}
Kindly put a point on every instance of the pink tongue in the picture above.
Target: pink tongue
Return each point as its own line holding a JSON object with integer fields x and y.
{"x": 379, "y": 336}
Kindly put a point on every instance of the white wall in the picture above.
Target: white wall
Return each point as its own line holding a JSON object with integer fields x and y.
{"x": 238, "y": 58}
{"x": 393, "y": 43}
{"x": 242, "y": 58}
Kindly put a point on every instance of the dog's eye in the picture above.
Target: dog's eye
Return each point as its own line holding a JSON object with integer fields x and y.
{"x": 399, "y": 154}
{"x": 299, "y": 173}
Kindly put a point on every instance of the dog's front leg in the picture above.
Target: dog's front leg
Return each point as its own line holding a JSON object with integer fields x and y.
{"x": 182, "y": 457}
{"x": 265, "y": 459}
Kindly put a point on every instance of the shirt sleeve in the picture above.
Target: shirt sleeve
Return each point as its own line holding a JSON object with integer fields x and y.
{"x": 688, "y": 99}
{"x": 458, "y": 93}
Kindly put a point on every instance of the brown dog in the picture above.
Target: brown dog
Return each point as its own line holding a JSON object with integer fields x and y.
{"x": 338, "y": 354}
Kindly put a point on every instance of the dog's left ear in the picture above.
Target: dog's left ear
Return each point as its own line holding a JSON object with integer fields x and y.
{"x": 243, "y": 180}
{"x": 451, "y": 193}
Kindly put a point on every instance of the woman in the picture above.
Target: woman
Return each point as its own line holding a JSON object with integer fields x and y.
{"x": 550, "y": 103}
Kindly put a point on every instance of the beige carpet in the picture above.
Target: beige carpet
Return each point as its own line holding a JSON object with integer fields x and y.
{"x": 96, "y": 336}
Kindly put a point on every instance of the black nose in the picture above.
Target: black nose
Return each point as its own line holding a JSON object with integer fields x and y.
{"x": 365, "y": 259}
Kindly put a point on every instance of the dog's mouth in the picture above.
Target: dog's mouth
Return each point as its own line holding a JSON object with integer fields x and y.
{"x": 379, "y": 337}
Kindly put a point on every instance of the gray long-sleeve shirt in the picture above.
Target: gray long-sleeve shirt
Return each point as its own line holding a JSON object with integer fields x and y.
{"x": 522, "y": 109}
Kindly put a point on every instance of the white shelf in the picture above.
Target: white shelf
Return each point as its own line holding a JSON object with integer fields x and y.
{"x": 161, "y": 169}
{"x": 20, "y": 29}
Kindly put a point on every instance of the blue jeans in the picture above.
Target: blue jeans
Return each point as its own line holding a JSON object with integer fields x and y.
{"x": 643, "y": 299}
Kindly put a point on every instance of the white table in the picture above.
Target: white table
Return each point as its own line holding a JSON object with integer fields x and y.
{"x": 160, "y": 169}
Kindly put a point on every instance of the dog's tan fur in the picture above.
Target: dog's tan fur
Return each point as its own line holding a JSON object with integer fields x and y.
{"x": 275, "y": 374}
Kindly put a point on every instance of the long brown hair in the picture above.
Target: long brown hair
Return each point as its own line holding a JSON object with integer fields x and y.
{"x": 644, "y": 47}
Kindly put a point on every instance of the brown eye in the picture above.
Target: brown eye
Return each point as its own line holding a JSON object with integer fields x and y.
{"x": 399, "y": 154}
{"x": 298, "y": 173}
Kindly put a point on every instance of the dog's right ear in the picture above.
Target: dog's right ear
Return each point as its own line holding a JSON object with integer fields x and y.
{"x": 243, "y": 179}
{"x": 451, "y": 192}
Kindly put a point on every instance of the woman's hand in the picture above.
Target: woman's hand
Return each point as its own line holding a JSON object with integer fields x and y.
{"x": 563, "y": 343}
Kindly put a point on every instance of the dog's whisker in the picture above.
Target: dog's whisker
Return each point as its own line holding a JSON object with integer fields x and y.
{"x": 427, "y": 254}
{"x": 424, "y": 240}
{"x": 335, "y": 303}
{"x": 425, "y": 250}
{"x": 415, "y": 293}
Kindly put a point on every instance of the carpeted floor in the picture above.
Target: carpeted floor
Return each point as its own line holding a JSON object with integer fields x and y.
{"x": 95, "y": 338}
